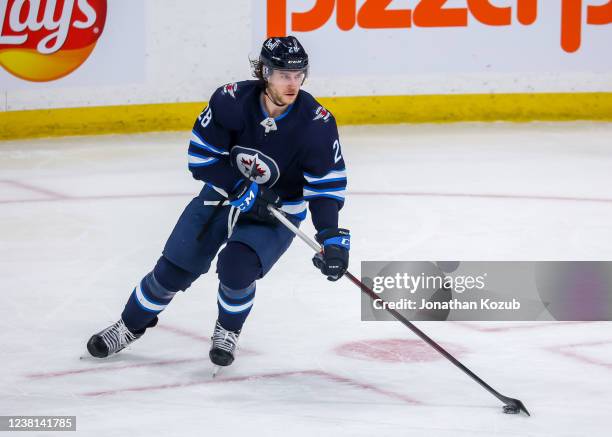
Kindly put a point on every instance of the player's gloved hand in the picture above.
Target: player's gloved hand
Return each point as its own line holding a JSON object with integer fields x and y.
{"x": 333, "y": 262}
{"x": 252, "y": 200}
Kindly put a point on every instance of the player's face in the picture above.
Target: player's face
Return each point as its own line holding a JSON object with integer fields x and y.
{"x": 284, "y": 85}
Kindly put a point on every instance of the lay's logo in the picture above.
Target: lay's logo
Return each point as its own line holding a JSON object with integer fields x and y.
{"x": 44, "y": 40}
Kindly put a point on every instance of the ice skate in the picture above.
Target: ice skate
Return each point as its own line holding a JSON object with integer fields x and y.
{"x": 113, "y": 339}
{"x": 223, "y": 347}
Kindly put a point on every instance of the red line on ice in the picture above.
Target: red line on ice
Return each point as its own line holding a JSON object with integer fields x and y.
{"x": 62, "y": 197}
{"x": 110, "y": 368}
{"x": 320, "y": 373}
{"x": 473, "y": 327}
{"x": 562, "y": 350}
{"x": 183, "y": 333}
{"x": 483, "y": 196}
{"x": 342, "y": 379}
{"x": 189, "y": 334}
{"x": 52, "y": 194}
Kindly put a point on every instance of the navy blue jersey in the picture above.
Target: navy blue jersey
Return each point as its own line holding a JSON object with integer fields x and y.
{"x": 297, "y": 154}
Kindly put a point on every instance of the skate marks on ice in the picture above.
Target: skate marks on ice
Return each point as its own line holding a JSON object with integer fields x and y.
{"x": 123, "y": 360}
{"x": 467, "y": 183}
{"x": 286, "y": 381}
{"x": 127, "y": 361}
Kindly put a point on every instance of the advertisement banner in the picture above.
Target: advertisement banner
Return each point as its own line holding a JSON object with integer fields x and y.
{"x": 58, "y": 43}
{"x": 368, "y": 37}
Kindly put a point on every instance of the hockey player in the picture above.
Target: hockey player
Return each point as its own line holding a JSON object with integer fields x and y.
{"x": 258, "y": 143}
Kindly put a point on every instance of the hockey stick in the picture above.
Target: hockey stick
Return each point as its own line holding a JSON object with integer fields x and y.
{"x": 511, "y": 405}
{"x": 214, "y": 214}
{"x": 221, "y": 204}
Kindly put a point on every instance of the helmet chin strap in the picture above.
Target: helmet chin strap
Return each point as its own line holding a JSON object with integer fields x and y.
{"x": 276, "y": 102}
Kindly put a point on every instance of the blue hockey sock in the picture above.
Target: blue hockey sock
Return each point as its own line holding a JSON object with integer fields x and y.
{"x": 148, "y": 299}
{"x": 234, "y": 306}
{"x": 154, "y": 293}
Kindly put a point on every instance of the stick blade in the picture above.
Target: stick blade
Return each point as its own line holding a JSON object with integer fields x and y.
{"x": 515, "y": 406}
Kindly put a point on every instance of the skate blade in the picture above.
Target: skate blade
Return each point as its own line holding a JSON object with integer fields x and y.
{"x": 91, "y": 358}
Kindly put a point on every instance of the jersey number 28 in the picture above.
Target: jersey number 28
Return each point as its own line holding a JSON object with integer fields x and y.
{"x": 205, "y": 116}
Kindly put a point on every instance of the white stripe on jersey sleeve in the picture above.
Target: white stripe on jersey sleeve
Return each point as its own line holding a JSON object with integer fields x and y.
{"x": 195, "y": 139}
{"x": 197, "y": 160}
{"x": 296, "y": 209}
{"x": 335, "y": 193}
{"x": 331, "y": 176}
{"x": 201, "y": 161}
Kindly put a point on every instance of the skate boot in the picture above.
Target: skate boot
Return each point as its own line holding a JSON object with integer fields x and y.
{"x": 223, "y": 346}
{"x": 113, "y": 339}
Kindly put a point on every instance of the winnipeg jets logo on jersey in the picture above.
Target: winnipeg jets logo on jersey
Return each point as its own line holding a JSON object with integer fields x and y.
{"x": 322, "y": 113}
{"x": 269, "y": 124}
{"x": 255, "y": 165}
{"x": 230, "y": 89}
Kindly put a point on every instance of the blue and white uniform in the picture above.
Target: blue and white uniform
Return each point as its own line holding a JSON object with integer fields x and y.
{"x": 296, "y": 154}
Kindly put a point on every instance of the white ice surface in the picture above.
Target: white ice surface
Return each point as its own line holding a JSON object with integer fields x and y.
{"x": 83, "y": 219}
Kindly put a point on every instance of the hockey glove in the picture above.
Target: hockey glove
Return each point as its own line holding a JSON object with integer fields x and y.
{"x": 252, "y": 200}
{"x": 333, "y": 262}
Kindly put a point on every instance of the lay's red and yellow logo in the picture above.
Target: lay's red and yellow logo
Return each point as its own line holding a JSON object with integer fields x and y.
{"x": 44, "y": 40}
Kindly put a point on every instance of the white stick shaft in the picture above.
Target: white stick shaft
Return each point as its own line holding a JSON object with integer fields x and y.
{"x": 284, "y": 220}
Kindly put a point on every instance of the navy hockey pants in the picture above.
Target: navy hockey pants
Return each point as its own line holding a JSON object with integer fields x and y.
{"x": 251, "y": 251}
{"x": 268, "y": 241}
